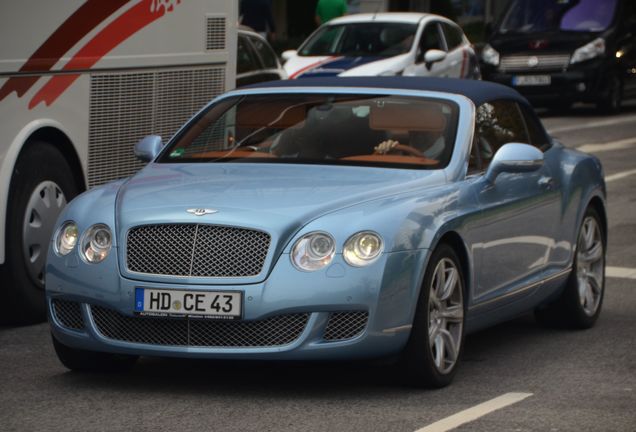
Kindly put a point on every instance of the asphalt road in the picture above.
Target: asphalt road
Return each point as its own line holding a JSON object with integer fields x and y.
{"x": 570, "y": 380}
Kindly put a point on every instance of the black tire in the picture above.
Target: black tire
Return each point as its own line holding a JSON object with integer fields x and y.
{"x": 92, "y": 361}
{"x": 418, "y": 363}
{"x": 22, "y": 286}
{"x": 570, "y": 310}
{"x": 610, "y": 103}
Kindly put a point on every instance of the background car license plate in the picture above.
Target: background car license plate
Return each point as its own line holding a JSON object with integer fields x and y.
{"x": 531, "y": 80}
{"x": 208, "y": 304}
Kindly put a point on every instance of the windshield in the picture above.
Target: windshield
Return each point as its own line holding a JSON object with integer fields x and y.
{"x": 376, "y": 39}
{"x": 530, "y": 16}
{"x": 400, "y": 132}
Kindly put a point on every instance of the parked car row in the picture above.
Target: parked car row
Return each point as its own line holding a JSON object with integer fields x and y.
{"x": 554, "y": 52}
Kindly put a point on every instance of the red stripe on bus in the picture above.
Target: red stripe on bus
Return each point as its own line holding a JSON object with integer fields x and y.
{"x": 123, "y": 27}
{"x": 76, "y": 26}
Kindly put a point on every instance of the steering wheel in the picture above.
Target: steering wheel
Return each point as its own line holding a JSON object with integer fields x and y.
{"x": 390, "y": 146}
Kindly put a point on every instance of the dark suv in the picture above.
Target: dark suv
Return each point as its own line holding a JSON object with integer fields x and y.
{"x": 565, "y": 51}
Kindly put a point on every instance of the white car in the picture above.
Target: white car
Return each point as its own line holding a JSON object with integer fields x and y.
{"x": 410, "y": 44}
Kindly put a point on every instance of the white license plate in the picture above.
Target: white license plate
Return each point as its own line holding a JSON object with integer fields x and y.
{"x": 203, "y": 304}
{"x": 531, "y": 80}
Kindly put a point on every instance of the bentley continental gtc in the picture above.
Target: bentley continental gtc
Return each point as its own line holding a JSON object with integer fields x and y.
{"x": 331, "y": 219}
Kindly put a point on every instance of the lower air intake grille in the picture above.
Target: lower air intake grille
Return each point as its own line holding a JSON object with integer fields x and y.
{"x": 275, "y": 331}
{"x": 68, "y": 314}
{"x": 125, "y": 107}
{"x": 345, "y": 325}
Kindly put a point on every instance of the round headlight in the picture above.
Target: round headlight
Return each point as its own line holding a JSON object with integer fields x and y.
{"x": 313, "y": 251}
{"x": 362, "y": 248}
{"x": 96, "y": 243}
{"x": 66, "y": 238}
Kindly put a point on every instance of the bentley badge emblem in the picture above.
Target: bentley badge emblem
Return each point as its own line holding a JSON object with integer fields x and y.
{"x": 201, "y": 211}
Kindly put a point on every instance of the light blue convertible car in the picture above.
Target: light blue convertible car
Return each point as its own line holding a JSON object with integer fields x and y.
{"x": 336, "y": 218}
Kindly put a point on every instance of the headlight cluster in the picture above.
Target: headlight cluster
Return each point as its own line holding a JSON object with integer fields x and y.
{"x": 95, "y": 243}
{"x": 316, "y": 250}
{"x": 490, "y": 55}
{"x": 594, "y": 49}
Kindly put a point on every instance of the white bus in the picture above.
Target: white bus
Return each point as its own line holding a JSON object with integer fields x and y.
{"x": 81, "y": 81}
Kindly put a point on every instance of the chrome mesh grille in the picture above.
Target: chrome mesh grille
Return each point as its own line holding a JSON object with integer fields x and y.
{"x": 543, "y": 62}
{"x": 345, "y": 325}
{"x": 215, "y": 33}
{"x": 68, "y": 314}
{"x": 275, "y": 331}
{"x": 125, "y": 107}
{"x": 196, "y": 250}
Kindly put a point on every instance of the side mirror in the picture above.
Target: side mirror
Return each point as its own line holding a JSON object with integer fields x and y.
{"x": 148, "y": 148}
{"x": 514, "y": 158}
{"x": 286, "y": 55}
{"x": 433, "y": 56}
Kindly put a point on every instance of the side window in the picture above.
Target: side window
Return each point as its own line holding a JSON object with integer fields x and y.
{"x": 497, "y": 123}
{"x": 245, "y": 59}
{"x": 430, "y": 39}
{"x": 265, "y": 52}
{"x": 538, "y": 137}
{"x": 453, "y": 36}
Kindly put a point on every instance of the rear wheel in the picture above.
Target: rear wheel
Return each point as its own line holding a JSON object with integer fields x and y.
{"x": 580, "y": 304}
{"x": 41, "y": 185}
{"x": 92, "y": 361}
{"x": 436, "y": 342}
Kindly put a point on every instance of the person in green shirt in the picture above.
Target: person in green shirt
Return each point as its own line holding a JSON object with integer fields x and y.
{"x": 329, "y": 9}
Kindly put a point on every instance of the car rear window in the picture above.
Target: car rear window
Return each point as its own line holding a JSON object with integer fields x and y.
{"x": 365, "y": 130}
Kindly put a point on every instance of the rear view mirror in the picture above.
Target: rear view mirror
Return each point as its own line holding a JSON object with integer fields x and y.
{"x": 148, "y": 148}
{"x": 286, "y": 55}
{"x": 433, "y": 56}
{"x": 514, "y": 158}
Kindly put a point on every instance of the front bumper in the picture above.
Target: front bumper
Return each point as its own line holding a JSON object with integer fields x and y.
{"x": 339, "y": 313}
{"x": 585, "y": 82}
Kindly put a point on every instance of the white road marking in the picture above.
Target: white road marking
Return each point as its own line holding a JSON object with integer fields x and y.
{"x": 475, "y": 412}
{"x": 619, "y": 175}
{"x": 609, "y": 146}
{"x": 620, "y": 272}
{"x": 591, "y": 125}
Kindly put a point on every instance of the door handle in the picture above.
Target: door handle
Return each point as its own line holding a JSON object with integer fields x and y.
{"x": 546, "y": 183}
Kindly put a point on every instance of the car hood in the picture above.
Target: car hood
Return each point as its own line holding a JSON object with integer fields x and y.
{"x": 278, "y": 199}
{"x": 266, "y": 195}
{"x": 314, "y": 67}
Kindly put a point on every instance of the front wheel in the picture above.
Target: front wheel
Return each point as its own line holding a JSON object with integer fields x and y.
{"x": 611, "y": 102}
{"x": 436, "y": 342}
{"x": 41, "y": 185}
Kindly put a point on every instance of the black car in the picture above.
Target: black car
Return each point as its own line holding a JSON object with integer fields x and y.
{"x": 256, "y": 61}
{"x": 564, "y": 51}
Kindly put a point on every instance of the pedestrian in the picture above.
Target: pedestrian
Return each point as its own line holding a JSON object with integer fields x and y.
{"x": 257, "y": 14}
{"x": 329, "y": 9}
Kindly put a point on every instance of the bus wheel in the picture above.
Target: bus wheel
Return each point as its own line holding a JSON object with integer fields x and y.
{"x": 41, "y": 184}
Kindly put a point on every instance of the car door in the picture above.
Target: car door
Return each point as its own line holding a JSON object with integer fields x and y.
{"x": 514, "y": 236}
{"x": 430, "y": 38}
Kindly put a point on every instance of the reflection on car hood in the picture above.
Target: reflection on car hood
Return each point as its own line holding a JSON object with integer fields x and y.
{"x": 272, "y": 197}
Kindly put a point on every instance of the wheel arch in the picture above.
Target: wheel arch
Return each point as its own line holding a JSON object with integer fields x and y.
{"x": 41, "y": 130}
{"x": 454, "y": 240}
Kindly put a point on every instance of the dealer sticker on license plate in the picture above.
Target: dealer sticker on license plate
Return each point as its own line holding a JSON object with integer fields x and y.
{"x": 531, "y": 80}
{"x": 201, "y": 304}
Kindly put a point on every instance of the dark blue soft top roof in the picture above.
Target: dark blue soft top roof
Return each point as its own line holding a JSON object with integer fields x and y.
{"x": 478, "y": 91}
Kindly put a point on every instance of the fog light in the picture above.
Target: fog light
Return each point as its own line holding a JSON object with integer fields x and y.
{"x": 581, "y": 87}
